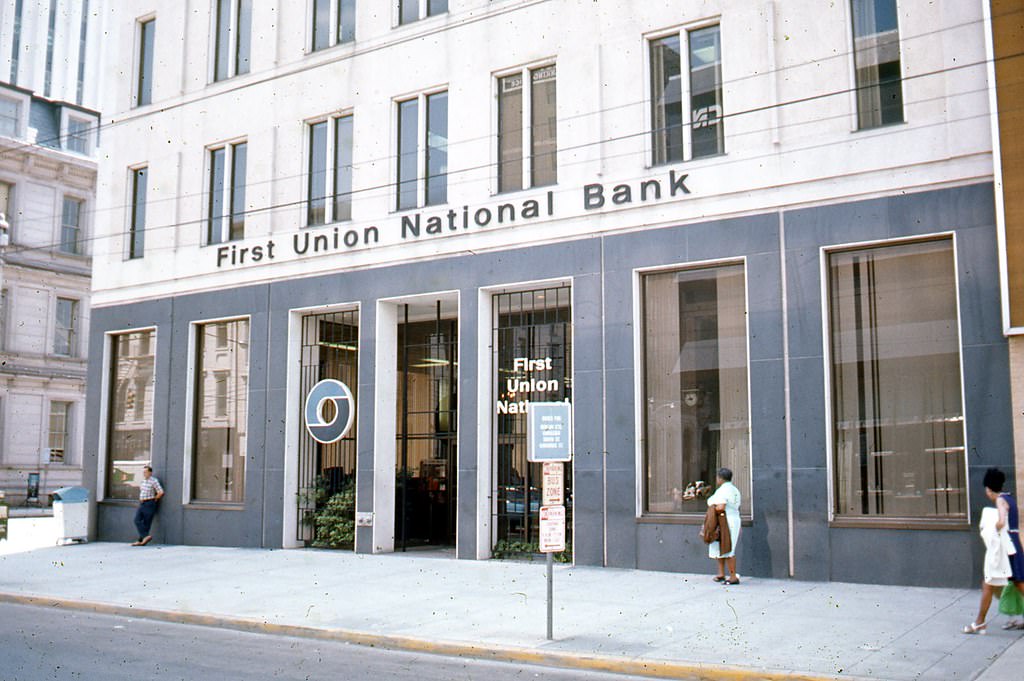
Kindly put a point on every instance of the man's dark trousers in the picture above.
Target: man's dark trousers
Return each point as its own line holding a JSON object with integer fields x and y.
{"x": 144, "y": 517}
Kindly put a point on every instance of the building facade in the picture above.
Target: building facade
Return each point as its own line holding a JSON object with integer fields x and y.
{"x": 49, "y": 79}
{"x": 754, "y": 235}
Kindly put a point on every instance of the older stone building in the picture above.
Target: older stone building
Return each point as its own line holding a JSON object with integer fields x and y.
{"x": 49, "y": 80}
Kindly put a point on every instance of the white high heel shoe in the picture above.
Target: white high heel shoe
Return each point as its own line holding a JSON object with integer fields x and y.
{"x": 973, "y": 628}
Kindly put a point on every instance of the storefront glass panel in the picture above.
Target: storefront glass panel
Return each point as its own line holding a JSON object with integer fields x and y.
{"x": 695, "y": 401}
{"x": 221, "y": 411}
{"x": 898, "y": 423}
{"x": 528, "y": 325}
{"x": 130, "y": 412}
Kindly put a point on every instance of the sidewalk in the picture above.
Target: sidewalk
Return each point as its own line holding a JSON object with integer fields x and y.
{"x": 670, "y": 625}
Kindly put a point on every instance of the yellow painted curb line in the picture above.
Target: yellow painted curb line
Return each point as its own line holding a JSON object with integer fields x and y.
{"x": 500, "y": 653}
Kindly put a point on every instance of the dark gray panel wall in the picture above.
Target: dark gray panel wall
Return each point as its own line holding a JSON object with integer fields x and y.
{"x": 605, "y": 467}
{"x": 897, "y": 556}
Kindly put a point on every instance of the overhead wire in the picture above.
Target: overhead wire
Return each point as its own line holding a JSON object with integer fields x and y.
{"x": 706, "y": 163}
{"x": 388, "y": 187}
{"x": 463, "y": 141}
{"x": 302, "y": 65}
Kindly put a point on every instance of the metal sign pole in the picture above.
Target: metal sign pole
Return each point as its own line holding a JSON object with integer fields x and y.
{"x": 551, "y": 604}
{"x": 549, "y": 430}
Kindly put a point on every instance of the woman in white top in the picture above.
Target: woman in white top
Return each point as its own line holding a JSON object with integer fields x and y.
{"x": 994, "y": 528}
{"x": 726, "y": 498}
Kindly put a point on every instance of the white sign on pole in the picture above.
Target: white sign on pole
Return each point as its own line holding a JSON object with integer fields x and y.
{"x": 552, "y": 529}
{"x": 549, "y": 431}
{"x": 554, "y": 483}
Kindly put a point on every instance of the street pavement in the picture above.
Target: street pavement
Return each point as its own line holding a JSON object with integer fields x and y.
{"x": 61, "y": 645}
{"x": 680, "y": 625}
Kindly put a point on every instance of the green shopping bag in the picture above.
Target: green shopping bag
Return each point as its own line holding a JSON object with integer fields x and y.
{"x": 1011, "y": 602}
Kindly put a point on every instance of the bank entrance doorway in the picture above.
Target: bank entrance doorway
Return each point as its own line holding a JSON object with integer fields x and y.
{"x": 426, "y": 456}
{"x": 327, "y": 472}
{"x": 532, "y": 341}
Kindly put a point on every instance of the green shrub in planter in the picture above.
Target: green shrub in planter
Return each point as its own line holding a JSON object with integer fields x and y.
{"x": 335, "y": 521}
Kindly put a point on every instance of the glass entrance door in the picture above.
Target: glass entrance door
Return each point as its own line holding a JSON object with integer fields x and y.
{"x": 426, "y": 470}
{"x": 327, "y": 472}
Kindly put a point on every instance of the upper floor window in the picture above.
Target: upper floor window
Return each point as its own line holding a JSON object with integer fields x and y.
{"x": 71, "y": 226}
{"x": 10, "y": 117}
{"x": 529, "y": 115}
{"x": 233, "y": 38}
{"x": 144, "y": 76}
{"x": 19, "y": 10}
{"x": 77, "y": 137}
{"x": 703, "y": 115}
{"x": 876, "y": 57}
{"x": 65, "y": 327}
{"x": 334, "y": 21}
{"x": 330, "y": 171}
{"x": 14, "y": 106}
{"x": 78, "y": 130}
{"x": 7, "y": 202}
{"x": 428, "y": 151}
{"x": 50, "y": 44}
{"x": 226, "y": 208}
{"x": 414, "y": 10}
{"x": 59, "y": 427}
{"x": 137, "y": 223}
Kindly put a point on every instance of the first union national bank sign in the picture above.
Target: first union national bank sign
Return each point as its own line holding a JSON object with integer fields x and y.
{"x": 424, "y": 224}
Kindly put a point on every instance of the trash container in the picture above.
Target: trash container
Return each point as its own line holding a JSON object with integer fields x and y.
{"x": 71, "y": 513}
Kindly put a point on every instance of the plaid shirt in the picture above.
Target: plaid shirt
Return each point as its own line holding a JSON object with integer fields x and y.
{"x": 149, "y": 488}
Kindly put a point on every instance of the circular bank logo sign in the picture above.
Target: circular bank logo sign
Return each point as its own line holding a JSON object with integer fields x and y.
{"x": 329, "y": 390}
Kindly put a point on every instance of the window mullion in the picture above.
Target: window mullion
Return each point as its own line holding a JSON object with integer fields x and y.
{"x": 527, "y": 124}
{"x": 685, "y": 95}
{"x": 225, "y": 212}
{"x": 332, "y": 141}
{"x": 233, "y": 35}
{"x": 421, "y": 150}
{"x": 332, "y": 25}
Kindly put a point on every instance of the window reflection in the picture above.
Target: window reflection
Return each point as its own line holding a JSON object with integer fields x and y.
{"x": 876, "y": 38}
{"x": 221, "y": 410}
{"x": 898, "y": 436}
{"x": 130, "y": 419}
{"x": 695, "y": 386}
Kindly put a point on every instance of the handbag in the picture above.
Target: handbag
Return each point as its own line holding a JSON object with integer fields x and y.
{"x": 1011, "y": 602}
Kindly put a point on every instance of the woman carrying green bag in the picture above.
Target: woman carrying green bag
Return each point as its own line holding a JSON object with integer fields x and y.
{"x": 1007, "y": 506}
{"x": 1011, "y": 603}
{"x": 1004, "y": 560}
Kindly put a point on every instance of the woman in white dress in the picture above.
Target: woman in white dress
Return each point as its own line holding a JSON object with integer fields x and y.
{"x": 727, "y": 498}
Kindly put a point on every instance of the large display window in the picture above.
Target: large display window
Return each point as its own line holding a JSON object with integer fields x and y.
{"x": 695, "y": 394}
{"x": 221, "y": 411}
{"x": 897, "y": 409}
{"x": 130, "y": 412}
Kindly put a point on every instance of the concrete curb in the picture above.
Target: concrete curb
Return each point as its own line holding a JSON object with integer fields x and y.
{"x": 661, "y": 669}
